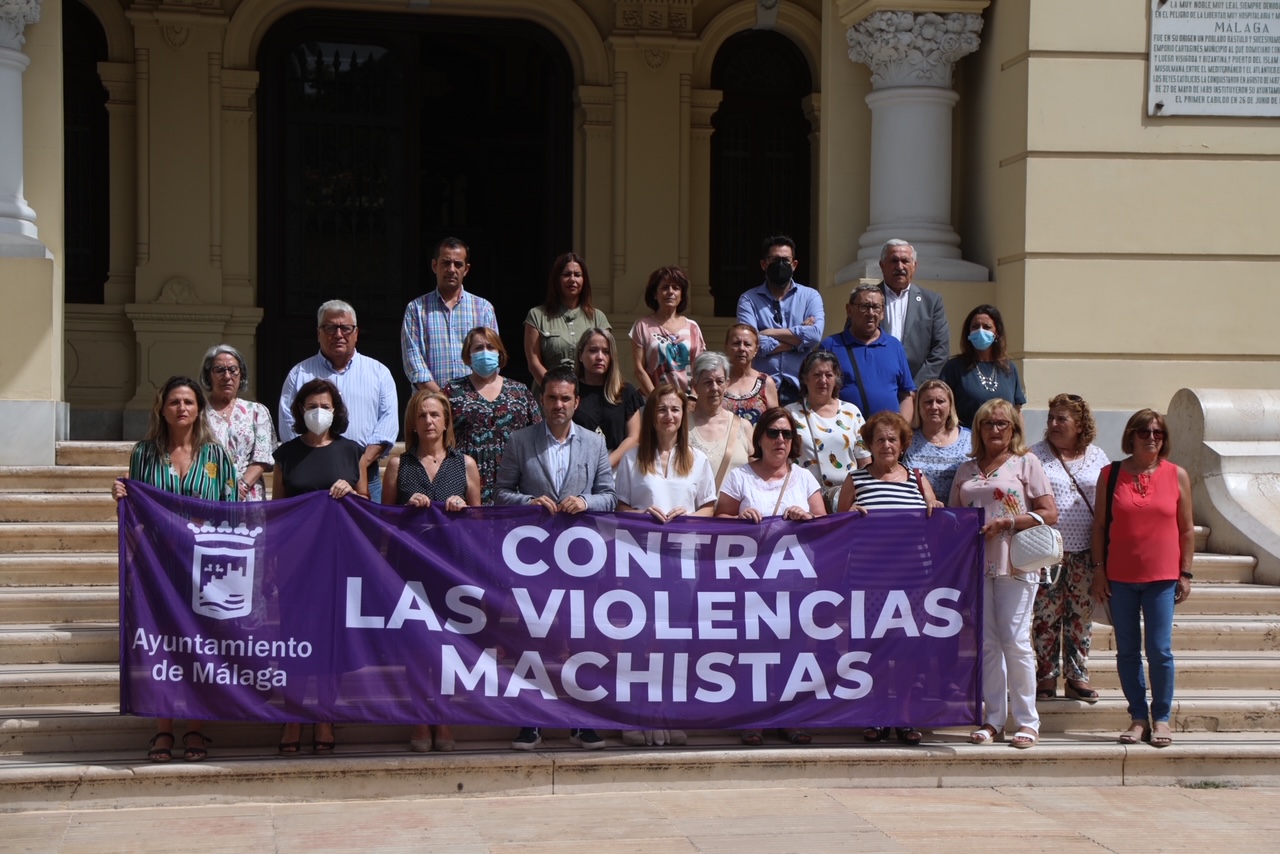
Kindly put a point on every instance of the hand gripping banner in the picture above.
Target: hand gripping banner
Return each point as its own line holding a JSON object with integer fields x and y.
{"x": 313, "y": 608}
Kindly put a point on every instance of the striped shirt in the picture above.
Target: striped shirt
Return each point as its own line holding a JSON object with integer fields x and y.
{"x": 367, "y": 389}
{"x": 432, "y": 334}
{"x": 875, "y": 494}
{"x": 212, "y": 475}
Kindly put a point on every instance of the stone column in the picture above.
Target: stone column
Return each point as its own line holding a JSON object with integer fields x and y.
{"x": 911, "y": 56}
{"x": 18, "y": 236}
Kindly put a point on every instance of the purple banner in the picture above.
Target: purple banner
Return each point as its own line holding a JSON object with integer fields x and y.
{"x": 320, "y": 609}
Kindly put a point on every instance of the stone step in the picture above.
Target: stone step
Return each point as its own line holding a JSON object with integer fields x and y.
{"x": 93, "y": 453}
{"x": 58, "y": 604}
{"x": 98, "y": 779}
{"x": 1217, "y": 669}
{"x": 1238, "y": 599}
{"x": 36, "y": 685}
{"x": 88, "y": 479}
{"x": 1222, "y": 569}
{"x": 1210, "y": 632}
{"x": 67, "y": 569}
{"x": 57, "y": 507}
{"x": 29, "y": 537}
{"x": 60, "y": 643}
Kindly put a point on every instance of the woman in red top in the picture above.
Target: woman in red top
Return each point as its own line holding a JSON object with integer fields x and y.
{"x": 1143, "y": 566}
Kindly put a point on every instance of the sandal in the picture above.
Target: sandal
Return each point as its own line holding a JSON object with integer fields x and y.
{"x": 160, "y": 754}
{"x": 1080, "y": 691}
{"x": 195, "y": 752}
{"x": 985, "y": 734}
{"x": 909, "y": 735}
{"x": 1161, "y": 734}
{"x": 1047, "y": 689}
{"x": 752, "y": 737}
{"x": 322, "y": 747}
{"x": 1137, "y": 731}
{"x": 875, "y": 733}
{"x": 289, "y": 748}
{"x": 795, "y": 736}
{"x": 1024, "y": 738}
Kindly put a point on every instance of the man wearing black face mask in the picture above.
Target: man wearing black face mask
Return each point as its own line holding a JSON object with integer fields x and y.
{"x": 788, "y": 316}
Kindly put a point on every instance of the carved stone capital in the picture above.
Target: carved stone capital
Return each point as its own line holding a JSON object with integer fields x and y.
{"x": 15, "y": 15}
{"x": 913, "y": 49}
{"x": 654, "y": 15}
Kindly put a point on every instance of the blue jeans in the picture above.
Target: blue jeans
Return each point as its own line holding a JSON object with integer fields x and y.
{"x": 375, "y": 484}
{"x": 1133, "y": 608}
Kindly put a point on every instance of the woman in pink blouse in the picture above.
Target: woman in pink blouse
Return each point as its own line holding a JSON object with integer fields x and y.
{"x": 1010, "y": 485}
{"x": 664, "y": 344}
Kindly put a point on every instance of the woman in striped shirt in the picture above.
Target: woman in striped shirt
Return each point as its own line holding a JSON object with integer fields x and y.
{"x": 886, "y": 484}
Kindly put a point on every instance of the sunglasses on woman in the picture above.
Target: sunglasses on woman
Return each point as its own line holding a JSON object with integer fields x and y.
{"x": 778, "y": 433}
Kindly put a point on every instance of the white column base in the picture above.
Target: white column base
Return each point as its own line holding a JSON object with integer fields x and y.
{"x": 32, "y": 430}
{"x": 931, "y": 268}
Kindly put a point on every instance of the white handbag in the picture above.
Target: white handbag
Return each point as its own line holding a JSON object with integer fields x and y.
{"x": 1037, "y": 547}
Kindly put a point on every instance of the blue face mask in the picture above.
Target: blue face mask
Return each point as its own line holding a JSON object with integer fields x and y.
{"x": 484, "y": 363}
{"x": 982, "y": 338}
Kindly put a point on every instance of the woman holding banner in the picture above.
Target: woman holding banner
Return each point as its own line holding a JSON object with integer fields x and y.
{"x": 1009, "y": 483}
{"x": 431, "y": 469}
{"x": 320, "y": 460}
{"x": 666, "y": 478}
{"x": 772, "y": 484}
{"x": 180, "y": 455}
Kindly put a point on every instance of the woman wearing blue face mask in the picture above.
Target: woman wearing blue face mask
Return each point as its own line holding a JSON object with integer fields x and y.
{"x": 488, "y": 407}
{"x": 982, "y": 371}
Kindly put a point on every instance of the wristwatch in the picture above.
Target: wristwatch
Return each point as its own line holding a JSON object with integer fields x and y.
{"x": 1186, "y": 575}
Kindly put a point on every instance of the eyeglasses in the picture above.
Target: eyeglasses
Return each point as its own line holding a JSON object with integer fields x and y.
{"x": 227, "y": 370}
{"x": 1149, "y": 433}
{"x": 779, "y": 433}
{"x": 998, "y": 426}
{"x": 869, "y": 307}
{"x": 335, "y": 328}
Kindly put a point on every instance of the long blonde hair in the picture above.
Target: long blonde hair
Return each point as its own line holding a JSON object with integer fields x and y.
{"x": 613, "y": 378}
{"x": 647, "y": 454}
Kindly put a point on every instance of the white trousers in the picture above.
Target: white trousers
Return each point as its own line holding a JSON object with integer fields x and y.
{"x": 1008, "y": 661}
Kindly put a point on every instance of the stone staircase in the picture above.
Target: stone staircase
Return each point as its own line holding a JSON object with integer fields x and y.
{"x": 61, "y": 737}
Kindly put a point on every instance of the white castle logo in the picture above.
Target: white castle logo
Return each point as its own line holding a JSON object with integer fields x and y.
{"x": 222, "y": 570}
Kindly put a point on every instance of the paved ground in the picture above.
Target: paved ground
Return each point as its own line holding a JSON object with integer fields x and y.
{"x": 1016, "y": 819}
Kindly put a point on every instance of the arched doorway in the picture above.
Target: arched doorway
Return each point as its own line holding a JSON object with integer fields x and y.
{"x": 760, "y": 171}
{"x": 381, "y": 134}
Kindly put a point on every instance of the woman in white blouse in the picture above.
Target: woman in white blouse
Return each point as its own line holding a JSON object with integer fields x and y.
{"x": 1063, "y": 622}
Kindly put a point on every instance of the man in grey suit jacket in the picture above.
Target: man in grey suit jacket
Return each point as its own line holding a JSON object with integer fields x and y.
{"x": 562, "y": 468}
{"x": 913, "y": 315}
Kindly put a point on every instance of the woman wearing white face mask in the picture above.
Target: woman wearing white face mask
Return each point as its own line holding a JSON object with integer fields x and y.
{"x": 318, "y": 460}
{"x": 488, "y": 407}
{"x": 983, "y": 371}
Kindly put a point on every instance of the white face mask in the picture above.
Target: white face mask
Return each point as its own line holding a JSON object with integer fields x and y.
{"x": 318, "y": 420}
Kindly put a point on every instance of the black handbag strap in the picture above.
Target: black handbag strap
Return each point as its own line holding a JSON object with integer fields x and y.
{"x": 1112, "y": 480}
{"x": 857, "y": 378}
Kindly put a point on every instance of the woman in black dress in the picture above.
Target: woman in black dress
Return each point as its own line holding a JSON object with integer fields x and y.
{"x": 608, "y": 406}
{"x": 318, "y": 460}
{"x": 431, "y": 469}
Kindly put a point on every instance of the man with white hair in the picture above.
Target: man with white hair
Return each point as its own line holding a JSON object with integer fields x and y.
{"x": 365, "y": 384}
{"x": 913, "y": 315}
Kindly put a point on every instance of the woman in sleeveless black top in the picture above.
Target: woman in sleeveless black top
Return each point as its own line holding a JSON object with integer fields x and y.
{"x": 431, "y": 469}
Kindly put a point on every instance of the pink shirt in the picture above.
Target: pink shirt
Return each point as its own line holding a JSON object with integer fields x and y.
{"x": 668, "y": 356}
{"x": 1009, "y": 491}
{"x": 1145, "y": 544}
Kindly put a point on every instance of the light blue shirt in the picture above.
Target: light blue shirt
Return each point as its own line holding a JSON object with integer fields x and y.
{"x": 367, "y": 389}
{"x": 558, "y": 454}
{"x": 758, "y": 308}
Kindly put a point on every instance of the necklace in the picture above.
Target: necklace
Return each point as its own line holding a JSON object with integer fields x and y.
{"x": 994, "y": 466}
{"x": 990, "y": 383}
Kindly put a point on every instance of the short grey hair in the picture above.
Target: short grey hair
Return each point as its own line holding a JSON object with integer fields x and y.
{"x": 864, "y": 289}
{"x": 710, "y": 360}
{"x": 897, "y": 241}
{"x": 335, "y": 306}
{"x": 206, "y": 368}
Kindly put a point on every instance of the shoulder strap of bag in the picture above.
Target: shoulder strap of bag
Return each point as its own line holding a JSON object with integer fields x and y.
{"x": 724, "y": 455}
{"x": 1079, "y": 489}
{"x": 783, "y": 491}
{"x": 1112, "y": 480}
{"x": 857, "y": 378}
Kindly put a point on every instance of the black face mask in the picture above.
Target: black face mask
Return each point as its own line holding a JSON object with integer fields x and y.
{"x": 779, "y": 272}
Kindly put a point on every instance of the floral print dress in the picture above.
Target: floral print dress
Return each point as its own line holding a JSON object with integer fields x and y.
{"x": 482, "y": 427}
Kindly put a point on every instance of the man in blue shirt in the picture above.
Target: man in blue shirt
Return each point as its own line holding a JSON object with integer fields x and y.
{"x": 788, "y": 316}
{"x": 876, "y": 374}
{"x": 365, "y": 384}
{"x": 436, "y": 323}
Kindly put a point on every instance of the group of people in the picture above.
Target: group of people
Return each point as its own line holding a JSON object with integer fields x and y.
{"x": 784, "y": 423}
